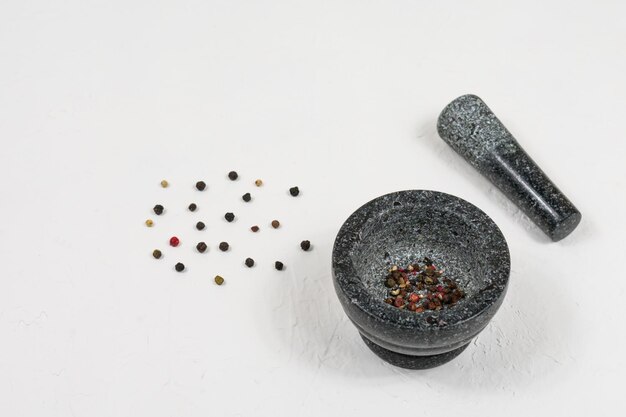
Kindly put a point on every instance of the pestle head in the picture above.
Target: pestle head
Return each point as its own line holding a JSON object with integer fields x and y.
{"x": 475, "y": 133}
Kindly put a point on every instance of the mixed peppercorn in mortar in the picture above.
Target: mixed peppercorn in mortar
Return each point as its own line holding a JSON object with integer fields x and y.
{"x": 421, "y": 287}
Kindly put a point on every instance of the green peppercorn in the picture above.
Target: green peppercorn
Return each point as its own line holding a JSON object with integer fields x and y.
{"x": 149, "y": 223}
{"x": 305, "y": 245}
{"x": 157, "y": 254}
{"x": 246, "y": 197}
{"x": 193, "y": 207}
{"x": 158, "y": 209}
{"x": 200, "y": 226}
{"x": 219, "y": 280}
{"x": 179, "y": 267}
{"x": 201, "y": 247}
{"x": 279, "y": 265}
{"x": 164, "y": 184}
{"x": 249, "y": 262}
{"x": 224, "y": 246}
{"x": 233, "y": 175}
{"x": 229, "y": 217}
{"x": 200, "y": 185}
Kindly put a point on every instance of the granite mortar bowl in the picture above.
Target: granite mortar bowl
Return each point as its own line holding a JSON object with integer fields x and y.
{"x": 399, "y": 229}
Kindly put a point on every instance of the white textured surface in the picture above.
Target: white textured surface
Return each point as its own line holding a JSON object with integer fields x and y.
{"x": 99, "y": 100}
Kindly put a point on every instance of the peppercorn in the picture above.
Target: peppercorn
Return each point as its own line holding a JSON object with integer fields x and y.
{"x": 158, "y": 209}
{"x": 255, "y": 229}
{"x": 246, "y": 197}
{"x": 305, "y": 245}
{"x": 258, "y": 183}
{"x": 179, "y": 267}
{"x": 233, "y": 175}
{"x": 200, "y": 226}
{"x": 193, "y": 207}
{"x": 201, "y": 246}
{"x": 249, "y": 262}
{"x": 164, "y": 184}
{"x": 294, "y": 191}
{"x": 157, "y": 254}
{"x": 174, "y": 241}
{"x": 200, "y": 185}
{"x": 279, "y": 265}
{"x": 219, "y": 280}
{"x": 149, "y": 223}
{"x": 229, "y": 217}
{"x": 224, "y": 246}
{"x": 275, "y": 224}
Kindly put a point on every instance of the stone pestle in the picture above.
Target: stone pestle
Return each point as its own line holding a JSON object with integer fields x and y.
{"x": 474, "y": 132}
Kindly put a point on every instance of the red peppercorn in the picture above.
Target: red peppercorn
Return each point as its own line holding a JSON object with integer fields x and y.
{"x": 398, "y": 302}
{"x": 439, "y": 288}
{"x": 174, "y": 241}
{"x": 414, "y": 297}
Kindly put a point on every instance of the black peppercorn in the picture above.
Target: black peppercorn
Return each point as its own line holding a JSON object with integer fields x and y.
{"x": 233, "y": 175}
{"x": 278, "y": 265}
{"x": 157, "y": 254}
{"x": 179, "y": 267}
{"x": 200, "y": 226}
{"x": 294, "y": 191}
{"x": 246, "y": 197}
{"x": 158, "y": 209}
{"x": 193, "y": 207}
{"x": 224, "y": 246}
{"x": 249, "y": 262}
{"x": 201, "y": 246}
{"x": 229, "y": 217}
{"x": 200, "y": 185}
{"x": 305, "y": 245}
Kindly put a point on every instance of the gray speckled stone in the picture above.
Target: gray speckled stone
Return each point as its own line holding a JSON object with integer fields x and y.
{"x": 473, "y": 131}
{"x": 401, "y": 228}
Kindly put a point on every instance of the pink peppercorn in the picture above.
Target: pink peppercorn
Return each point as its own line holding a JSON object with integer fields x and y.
{"x": 174, "y": 241}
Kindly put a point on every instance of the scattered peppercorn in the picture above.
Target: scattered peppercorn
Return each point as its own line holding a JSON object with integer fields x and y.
{"x": 255, "y": 229}
{"x": 200, "y": 185}
{"x": 294, "y": 191}
{"x": 193, "y": 207}
{"x": 149, "y": 223}
{"x": 158, "y": 209}
{"x": 157, "y": 254}
{"x": 174, "y": 241}
{"x": 275, "y": 224}
{"x": 279, "y": 265}
{"x": 219, "y": 280}
{"x": 421, "y": 288}
{"x": 164, "y": 184}
{"x": 305, "y": 245}
{"x": 201, "y": 246}
{"x": 224, "y": 246}
{"x": 246, "y": 197}
{"x": 229, "y": 217}
{"x": 233, "y": 175}
{"x": 249, "y": 262}
{"x": 179, "y": 267}
{"x": 200, "y": 226}
{"x": 258, "y": 183}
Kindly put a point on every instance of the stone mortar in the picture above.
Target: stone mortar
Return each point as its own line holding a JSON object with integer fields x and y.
{"x": 404, "y": 227}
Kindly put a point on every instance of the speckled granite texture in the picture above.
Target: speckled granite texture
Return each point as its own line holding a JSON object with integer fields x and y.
{"x": 473, "y": 131}
{"x": 400, "y": 228}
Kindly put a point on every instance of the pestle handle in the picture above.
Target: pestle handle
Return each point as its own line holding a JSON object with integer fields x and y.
{"x": 474, "y": 131}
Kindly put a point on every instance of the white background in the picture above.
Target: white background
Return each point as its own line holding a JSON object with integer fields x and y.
{"x": 100, "y": 100}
